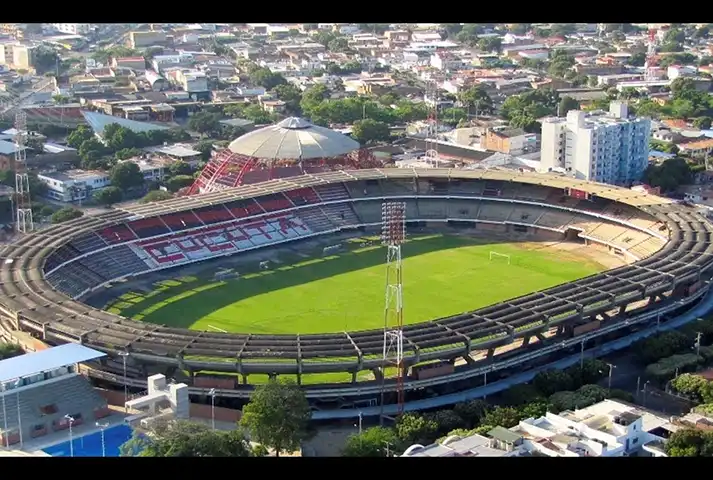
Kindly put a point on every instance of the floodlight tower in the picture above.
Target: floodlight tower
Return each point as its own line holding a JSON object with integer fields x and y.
{"x": 393, "y": 234}
{"x": 24, "y": 223}
{"x": 432, "y": 121}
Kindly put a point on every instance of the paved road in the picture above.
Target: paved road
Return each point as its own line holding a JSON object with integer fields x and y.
{"x": 627, "y": 375}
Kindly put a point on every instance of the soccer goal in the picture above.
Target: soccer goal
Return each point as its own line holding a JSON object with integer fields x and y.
{"x": 501, "y": 256}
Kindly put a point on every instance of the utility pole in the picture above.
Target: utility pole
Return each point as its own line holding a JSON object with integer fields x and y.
{"x": 698, "y": 343}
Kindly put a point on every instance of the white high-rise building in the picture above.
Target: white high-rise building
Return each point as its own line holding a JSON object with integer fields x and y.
{"x": 603, "y": 147}
{"x": 72, "y": 28}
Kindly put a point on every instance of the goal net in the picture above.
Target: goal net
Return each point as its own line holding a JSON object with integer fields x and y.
{"x": 500, "y": 256}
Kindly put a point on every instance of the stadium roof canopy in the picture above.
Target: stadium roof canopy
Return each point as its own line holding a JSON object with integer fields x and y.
{"x": 45, "y": 360}
{"x": 293, "y": 138}
{"x": 98, "y": 121}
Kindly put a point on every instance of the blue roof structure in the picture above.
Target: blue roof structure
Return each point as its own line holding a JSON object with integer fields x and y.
{"x": 44, "y": 360}
{"x": 98, "y": 121}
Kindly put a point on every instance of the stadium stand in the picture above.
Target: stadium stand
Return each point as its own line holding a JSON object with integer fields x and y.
{"x": 42, "y": 388}
{"x": 671, "y": 258}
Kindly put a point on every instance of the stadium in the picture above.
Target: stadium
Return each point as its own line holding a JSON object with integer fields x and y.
{"x": 295, "y": 186}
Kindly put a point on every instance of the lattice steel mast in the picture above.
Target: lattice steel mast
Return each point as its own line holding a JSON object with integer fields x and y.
{"x": 432, "y": 121}
{"x": 393, "y": 234}
{"x": 23, "y": 218}
{"x": 650, "y": 64}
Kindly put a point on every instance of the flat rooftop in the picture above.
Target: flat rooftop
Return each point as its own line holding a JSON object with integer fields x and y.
{"x": 45, "y": 360}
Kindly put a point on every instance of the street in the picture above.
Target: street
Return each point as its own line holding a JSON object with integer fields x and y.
{"x": 628, "y": 376}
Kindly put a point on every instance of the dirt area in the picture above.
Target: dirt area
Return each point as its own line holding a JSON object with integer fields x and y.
{"x": 594, "y": 253}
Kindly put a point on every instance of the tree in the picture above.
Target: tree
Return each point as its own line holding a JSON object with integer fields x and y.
{"x": 368, "y": 130}
{"x": 187, "y": 439}
{"x": 90, "y": 153}
{"x": 291, "y": 95}
{"x": 277, "y": 416}
{"x": 690, "y": 442}
{"x": 264, "y": 77}
{"x": 156, "y": 196}
{"x": 690, "y": 385}
{"x": 551, "y": 381}
{"x": 206, "y": 149}
{"x": 126, "y": 175}
{"x": 78, "y": 136}
{"x": 660, "y": 346}
{"x": 476, "y": 98}
{"x": 506, "y": 417}
{"x": 65, "y": 214}
{"x": 490, "y": 44}
{"x": 108, "y": 195}
{"x": 180, "y": 168}
{"x": 533, "y": 104}
{"x": 204, "y": 122}
{"x": 669, "y": 175}
{"x": 567, "y": 104}
{"x": 519, "y": 395}
{"x": 471, "y": 412}
{"x": 257, "y": 115}
{"x": 412, "y": 428}
{"x": 9, "y": 350}
{"x": 178, "y": 182}
{"x": 371, "y": 443}
{"x": 446, "y": 420}
{"x": 638, "y": 59}
{"x": 703, "y": 123}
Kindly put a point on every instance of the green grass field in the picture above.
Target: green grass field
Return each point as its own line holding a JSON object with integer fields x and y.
{"x": 443, "y": 275}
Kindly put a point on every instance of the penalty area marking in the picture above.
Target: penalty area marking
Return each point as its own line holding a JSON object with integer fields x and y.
{"x": 217, "y": 329}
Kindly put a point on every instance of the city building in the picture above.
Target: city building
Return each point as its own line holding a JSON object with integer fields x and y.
{"x": 17, "y": 56}
{"x": 607, "y": 147}
{"x": 513, "y": 141}
{"x": 606, "y": 429}
{"x": 133, "y": 63}
{"x": 191, "y": 81}
{"x": 146, "y": 39}
{"x": 73, "y": 185}
{"x": 72, "y": 28}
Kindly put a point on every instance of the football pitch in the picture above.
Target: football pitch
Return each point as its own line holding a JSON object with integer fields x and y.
{"x": 305, "y": 292}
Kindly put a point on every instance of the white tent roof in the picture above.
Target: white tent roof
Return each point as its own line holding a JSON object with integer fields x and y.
{"x": 293, "y": 138}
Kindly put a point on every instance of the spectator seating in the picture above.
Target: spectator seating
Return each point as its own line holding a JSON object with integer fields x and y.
{"x": 470, "y": 188}
{"x": 276, "y": 202}
{"x": 495, "y": 211}
{"x": 117, "y": 234}
{"x": 340, "y": 214}
{"x": 214, "y": 214}
{"x": 148, "y": 227}
{"x": 332, "y": 192}
{"x": 399, "y": 187}
{"x": 220, "y": 239}
{"x": 525, "y": 214}
{"x": 317, "y": 220}
{"x": 556, "y": 219}
{"x": 244, "y": 208}
{"x": 181, "y": 221}
{"x": 493, "y": 188}
{"x": 88, "y": 243}
{"x": 44, "y": 405}
{"x": 428, "y": 208}
{"x": 303, "y": 196}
